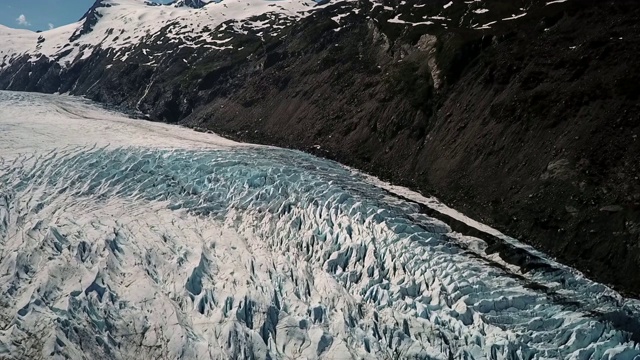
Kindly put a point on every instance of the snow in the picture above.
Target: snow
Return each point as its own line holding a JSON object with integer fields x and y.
{"x": 397, "y": 20}
{"x": 91, "y": 126}
{"x": 485, "y": 26}
{"x": 122, "y": 237}
{"x": 338, "y": 17}
{"x": 513, "y": 17}
{"x": 126, "y": 23}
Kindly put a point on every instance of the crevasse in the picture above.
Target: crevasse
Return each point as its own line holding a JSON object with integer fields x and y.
{"x": 264, "y": 253}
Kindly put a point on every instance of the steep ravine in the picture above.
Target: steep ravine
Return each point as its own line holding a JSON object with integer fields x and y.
{"x": 531, "y": 127}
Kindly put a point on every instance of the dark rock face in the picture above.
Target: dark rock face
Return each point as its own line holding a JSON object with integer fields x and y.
{"x": 531, "y": 126}
{"x": 194, "y": 3}
{"x": 89, "y": 19}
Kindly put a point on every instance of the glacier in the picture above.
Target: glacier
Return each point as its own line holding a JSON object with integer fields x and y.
{"x": 123, "y": 239}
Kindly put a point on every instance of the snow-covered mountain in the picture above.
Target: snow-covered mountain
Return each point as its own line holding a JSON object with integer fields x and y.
{"x": 120, "y": 25}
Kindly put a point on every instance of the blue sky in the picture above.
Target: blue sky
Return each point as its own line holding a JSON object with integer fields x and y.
{"x": 38, "y": 14}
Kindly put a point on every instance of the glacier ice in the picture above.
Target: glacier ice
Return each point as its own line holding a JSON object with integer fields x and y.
{"x": 262, "y": 253}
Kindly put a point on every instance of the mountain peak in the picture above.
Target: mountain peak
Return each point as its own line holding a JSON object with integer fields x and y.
{"x": 89, "y": 19}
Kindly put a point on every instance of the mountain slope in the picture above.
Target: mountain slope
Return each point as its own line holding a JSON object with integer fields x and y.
{"x": 521, "y": 113}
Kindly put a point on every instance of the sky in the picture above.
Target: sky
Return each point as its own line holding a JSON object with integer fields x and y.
{"x": 42, "y": 14}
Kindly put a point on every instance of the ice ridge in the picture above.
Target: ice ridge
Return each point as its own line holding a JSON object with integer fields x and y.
{"x": 259, "y": 253}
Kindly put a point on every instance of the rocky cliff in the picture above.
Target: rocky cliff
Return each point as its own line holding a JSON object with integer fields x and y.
{"x": 524, "y": 114}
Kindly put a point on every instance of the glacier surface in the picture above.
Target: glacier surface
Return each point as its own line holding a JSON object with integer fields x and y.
{"x": 126, "y": 239}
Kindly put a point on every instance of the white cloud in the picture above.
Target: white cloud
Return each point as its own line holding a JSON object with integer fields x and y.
{"x": 22, "y": 20}
{"x": 51, "y": 26}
